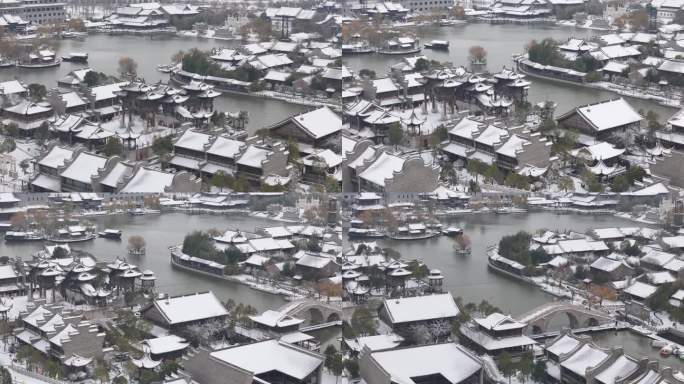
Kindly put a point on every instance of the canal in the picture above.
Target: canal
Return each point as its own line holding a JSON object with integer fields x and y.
{"x": 104, "y": 52}
{"x": 502, "y": 41}
{"x": 467, "y": 277}
{"x": 160, "y": 232}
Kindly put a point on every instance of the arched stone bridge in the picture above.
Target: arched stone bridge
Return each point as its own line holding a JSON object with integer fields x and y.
{"x": 539, "y": 319}
{"x": 315, "y": 312}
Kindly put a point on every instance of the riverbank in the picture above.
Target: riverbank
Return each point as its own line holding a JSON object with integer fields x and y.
{"x": 668, "y": 101}
{"x": 266, "y": 94}
{"x": 289, "y": 293}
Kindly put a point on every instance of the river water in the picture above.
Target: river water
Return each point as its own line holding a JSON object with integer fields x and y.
{"x": 160, "y": 232}
{"x": 104, "y": 53}
{"x": 467, "y": 277}
{"x": 502, "y": 41}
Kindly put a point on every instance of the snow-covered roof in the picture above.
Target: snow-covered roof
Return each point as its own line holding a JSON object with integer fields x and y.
{"x": 600, "y": 151}
{"x": 563, "y": 345}
{"x": 313, "y": 260}
{"x": 276, "y": 319}
{"x": 7, "y": 272}
{"x": 674, "y": 66}
{"x": 641, "y": 290}
{"x": 615, "y": 67}
{"x": 374, "y": 343}
{"x": 491, "y": 343}
{"x": 385, "y": 85}
{"x": 83, "y": 167}
{"x": 56, "y": 157}
{"x": 225, "y": 147}
{"x": 651, "y": 190}
{"x": 620, "y": 368}
{"x": 609, "y": 114}
{"x": 466, "y": 128}
{"x": 188, "y": 308}
{"x": 11, "y": 87}
{"x": 253, "y": 156}
{"x": 674, "y": 241}
{"x": 192, "y": 140}
{"x": 269, "y": 244}
{"x": 165, "y": 344}
{"x": 656, "y": 256}
{"x": 147, "y": 180}
{"x": 105, "y": 92}
{"x": 662, "y": 277}
{"x": 587, "y": 356}
{"x": 449, "y": 360}
{"x": 271, "y": 355}
{"x": 116, "y": 174}
{"x": 512, "y": 146}
{"x": 605, "y": 264}
{"x": 575, "y": 246}
{"x": 382, "y": 168}
{"x": 499, "y": 322}
{"x": 328, "y": 157}
{"x": 420, "y": 308}
{"x": 319, "y": 123}
{"x": 491, "y": 136}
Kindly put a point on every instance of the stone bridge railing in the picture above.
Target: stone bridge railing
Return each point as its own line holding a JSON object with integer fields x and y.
{"x": 304, "y": 309}
{"x": 579, "y": 316}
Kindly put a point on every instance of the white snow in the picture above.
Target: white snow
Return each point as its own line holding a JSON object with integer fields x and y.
{"x": 182, "y": 309}
{"x": 449, "y": 360}
{"x": 271, "y": 355}
{"x": 420, "y": 308}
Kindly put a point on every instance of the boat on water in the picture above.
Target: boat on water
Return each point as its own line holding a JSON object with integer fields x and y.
{"x": 73, "y": 34}
{"x": 72, "y": 234}
{"x": 437, "y": 45}
{"x": 667, "y": 350}
{"x": 357, "y": 48}
{"x": 462, "y": 251}
{"x": 113, "y": 234}
{"x": 452, "y": 231}
{"x": 451, "y": 23}
{"x": 505, "y": 210}
{"x": 4, "y": 63}
{"x": 363, "y": 233}
{"x": 140, "y": 211}
{"x": 413, "y": 231}
{"x": 23, "y": 236}
{"x": 401, "y": 46}
{"x": 165, "y": 68}
{"x": 76, "y": 57}
{"x": 658, "y": 343}
{"x": 136, "y": 251}
{"x": 43, "y": 58}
